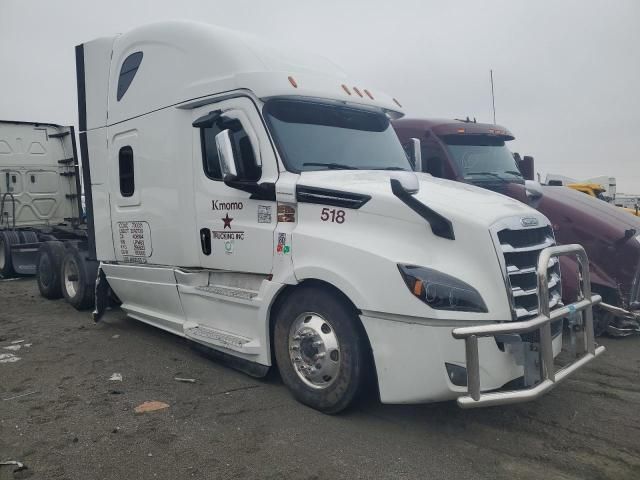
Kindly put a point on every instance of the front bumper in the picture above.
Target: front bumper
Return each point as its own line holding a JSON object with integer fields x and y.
{"x": 582, "y": 337}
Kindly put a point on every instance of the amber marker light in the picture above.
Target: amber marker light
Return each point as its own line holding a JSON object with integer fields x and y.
{"x": 346, "y": 89}
{"x": 355, "y": 89}
{"x": 293, "y": 82}
{"x": 397, "y": 103}
{"x": 368, "y": 94}
{"x": 418, "y": 288}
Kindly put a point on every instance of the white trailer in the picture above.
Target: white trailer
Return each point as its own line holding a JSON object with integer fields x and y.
{"x": 257, "y": 201}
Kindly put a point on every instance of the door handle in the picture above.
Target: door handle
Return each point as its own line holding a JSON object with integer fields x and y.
{"x": 205, "y": 240}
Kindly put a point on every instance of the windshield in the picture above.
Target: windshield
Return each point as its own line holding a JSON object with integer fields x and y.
{"x": 483, "y": 158}
{"x": 314, "y": 135}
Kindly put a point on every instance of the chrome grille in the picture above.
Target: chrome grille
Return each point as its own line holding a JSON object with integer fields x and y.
{"x": 521, "y": 249}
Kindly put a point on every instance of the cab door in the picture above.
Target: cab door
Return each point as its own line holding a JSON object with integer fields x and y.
{"x": 235, "y": 228}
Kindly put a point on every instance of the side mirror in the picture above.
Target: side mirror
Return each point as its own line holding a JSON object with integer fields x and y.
{"x": 408, "y": 180}
{"x": 226, "y": 156}
{"x": 527, "y": 167}
{"x": 229, "y": 169}
{"x": 416, "y": 152}
{"x": 534, "y": 189}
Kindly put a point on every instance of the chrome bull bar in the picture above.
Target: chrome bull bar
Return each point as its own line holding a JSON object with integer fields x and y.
{"x": 586, "y": 349}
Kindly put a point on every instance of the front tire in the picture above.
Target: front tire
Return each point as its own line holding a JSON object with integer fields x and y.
{"x": 320, "y": 349}
{"x": 77, "y": 288}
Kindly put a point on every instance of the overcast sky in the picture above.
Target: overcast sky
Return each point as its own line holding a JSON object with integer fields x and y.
{"x": 567, "y": 73}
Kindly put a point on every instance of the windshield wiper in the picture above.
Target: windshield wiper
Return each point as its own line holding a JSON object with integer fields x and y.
{"x": 515, "y": 173}
{"x": 399, "y": 169}
{"x": 330, "y": 166}
{"x": 490, "y": 174}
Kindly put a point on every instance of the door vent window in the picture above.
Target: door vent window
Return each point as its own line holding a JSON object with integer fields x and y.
{"x": 127, "y": 179}
{"x": 127, "y": 72}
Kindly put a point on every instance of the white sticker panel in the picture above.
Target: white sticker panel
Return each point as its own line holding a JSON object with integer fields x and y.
{"x": 134, "y": 241}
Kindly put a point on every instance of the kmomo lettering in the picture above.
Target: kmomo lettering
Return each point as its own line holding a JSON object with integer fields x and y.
{"x": 218, "y": 205}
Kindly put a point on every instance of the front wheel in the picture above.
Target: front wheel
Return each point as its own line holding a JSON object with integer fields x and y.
{"x": 320, "y": 349}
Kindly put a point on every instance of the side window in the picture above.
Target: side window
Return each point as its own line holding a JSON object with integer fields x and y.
{"x": 127, "y": 72}
{"x": 127, "y": 179}
{"x": 243, "y": 150}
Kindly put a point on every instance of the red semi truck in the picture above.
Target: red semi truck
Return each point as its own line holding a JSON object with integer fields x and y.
{"x": 477, "y": 153}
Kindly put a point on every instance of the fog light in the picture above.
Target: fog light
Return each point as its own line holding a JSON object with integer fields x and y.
{"x": 457, "y": 374}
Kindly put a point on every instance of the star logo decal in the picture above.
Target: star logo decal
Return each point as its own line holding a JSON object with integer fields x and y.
{"x": 227, "y": 221}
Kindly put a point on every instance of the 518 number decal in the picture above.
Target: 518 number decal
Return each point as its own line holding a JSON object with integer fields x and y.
{"x": 332, "y": 215}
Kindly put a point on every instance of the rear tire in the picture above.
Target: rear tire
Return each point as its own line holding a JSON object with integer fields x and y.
{"x": 7, "y": 240}
{"x": 320, "y": 349}
{"x": 77, "y": 288}
{"x": 48, "y": 273}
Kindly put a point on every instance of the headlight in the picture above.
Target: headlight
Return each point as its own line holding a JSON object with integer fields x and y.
{"x": 442, "y": 291}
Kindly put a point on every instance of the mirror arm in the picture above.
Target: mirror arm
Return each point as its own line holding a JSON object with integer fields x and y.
{"x": 258, "y": 191}
{"x": 207, "y": 120}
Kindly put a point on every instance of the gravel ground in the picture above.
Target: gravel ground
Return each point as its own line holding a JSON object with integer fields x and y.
{"x": 64, "y": 419}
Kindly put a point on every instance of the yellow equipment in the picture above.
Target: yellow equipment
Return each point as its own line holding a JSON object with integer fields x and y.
{"x": 596, "y": 190}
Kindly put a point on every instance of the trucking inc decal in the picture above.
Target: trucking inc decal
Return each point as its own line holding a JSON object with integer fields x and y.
{"x": 230, "y": 236}
{"x": 134, "y": 241}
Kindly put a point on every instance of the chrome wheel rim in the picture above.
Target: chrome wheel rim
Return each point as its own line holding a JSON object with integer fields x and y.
{"x": 314, "y": 350}
{"x": 71, "y": 277}
{"x": 3, "y": 252}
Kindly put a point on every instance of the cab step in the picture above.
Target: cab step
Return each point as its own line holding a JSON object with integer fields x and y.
{"x": 66, "y": 161}
{"x": 229, "y": 291}
{"x": 220, "y": 338}
{"x": 221, "y": 292}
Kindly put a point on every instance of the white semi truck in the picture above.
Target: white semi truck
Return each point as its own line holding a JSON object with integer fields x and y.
{"x": 42, "y": 224}
{"x": 258, "y": 202}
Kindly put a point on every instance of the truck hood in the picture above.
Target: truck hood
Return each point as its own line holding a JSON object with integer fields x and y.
{"x": 598, "y": 226}
{"x": 569, "y": 199}
{"x": 599, "y": 207}
{"x": 451, "y": 199}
